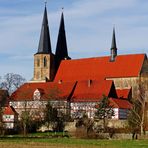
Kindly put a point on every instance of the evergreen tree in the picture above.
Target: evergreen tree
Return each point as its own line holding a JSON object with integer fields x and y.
{"x": 104, "y": 110}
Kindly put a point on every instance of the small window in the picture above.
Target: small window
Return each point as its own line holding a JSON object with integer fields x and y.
{"x": 45, "y": 62}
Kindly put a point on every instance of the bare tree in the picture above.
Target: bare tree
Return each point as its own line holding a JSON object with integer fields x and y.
{"x": 135, "y": 118}
{"x": 25, "y": 119}
{"x": 137, "y": 115}
{"x": 142, "y": 98}
{"x": 84, "y": 127}
{"x": 12, "y": 81}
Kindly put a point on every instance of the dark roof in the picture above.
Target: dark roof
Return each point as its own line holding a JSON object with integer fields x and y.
{"x": 44, "y": 42}
{"x": 61, "y": 47}
{"x": 113, "y": 45}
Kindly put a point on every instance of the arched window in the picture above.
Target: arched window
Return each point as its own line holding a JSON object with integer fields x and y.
{"x": 45, "y": 62}
{"x": 38, "y": 62}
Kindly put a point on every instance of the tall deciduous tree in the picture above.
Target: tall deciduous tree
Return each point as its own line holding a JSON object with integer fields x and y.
{"x": 142, "y": 98}
{"x": 134, "y": 117}
{"x": 137, "y": 114}
{"x": 12, "y": 81}
{"x": 104, "y": 110}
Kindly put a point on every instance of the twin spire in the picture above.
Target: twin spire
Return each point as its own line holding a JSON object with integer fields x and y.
{"x": 45, "y": 43}
{"x": 61, "y": 47}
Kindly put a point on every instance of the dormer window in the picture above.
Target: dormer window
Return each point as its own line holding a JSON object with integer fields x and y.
{"x": 36, "y": 95}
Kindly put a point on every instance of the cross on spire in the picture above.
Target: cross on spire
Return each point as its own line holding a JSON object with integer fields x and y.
{"x": 45, "y": 3}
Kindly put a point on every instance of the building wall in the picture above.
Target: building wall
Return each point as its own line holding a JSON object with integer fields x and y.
{"x": 8, "y": 118}
{"x": 127, "y": 83}
{"x": 79, "y": 108}
{"x": 37, "y": 107}
{"x": 9, "y": 121}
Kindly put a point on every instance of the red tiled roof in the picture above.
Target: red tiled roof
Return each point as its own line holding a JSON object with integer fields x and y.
{"x": 9, "y": 111}
{"x": 120, "y": 103}
{"x": 100, "y": 67}
{"x": 48, "y": 90}
{"x": 123, "y": 93}
{"x": 91, "y": 91}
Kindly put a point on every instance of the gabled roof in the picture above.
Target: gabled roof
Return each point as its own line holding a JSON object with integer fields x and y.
{"x": 9, "y": 111}
{"x": 48, "y": 90}
{"x": 100, "y": 67}
{"x": 120, "y": 103}
{"x": 91, "y": 90}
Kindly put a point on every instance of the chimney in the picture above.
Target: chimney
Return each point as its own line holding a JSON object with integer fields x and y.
{"x": 60, "y": 81}
{"x": 89, "y": 82}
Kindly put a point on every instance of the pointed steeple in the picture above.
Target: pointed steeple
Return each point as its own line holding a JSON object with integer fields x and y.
{"x": 44, "y": 42}
{"x": 61, "y": 48}
{"x": 113, "y": 47}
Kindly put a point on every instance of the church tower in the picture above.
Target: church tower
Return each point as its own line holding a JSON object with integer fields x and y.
{"x": 44, "y": 59}
{"x": 61, "y": 47}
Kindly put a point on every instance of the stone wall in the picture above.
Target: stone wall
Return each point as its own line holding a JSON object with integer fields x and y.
{"x": 42, "y": 70}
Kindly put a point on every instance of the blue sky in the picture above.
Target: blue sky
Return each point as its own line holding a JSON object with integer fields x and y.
{"x": 88, "y": 23}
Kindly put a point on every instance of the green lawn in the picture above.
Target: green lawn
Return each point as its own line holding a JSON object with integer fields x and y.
{"x": 71, "y": 143}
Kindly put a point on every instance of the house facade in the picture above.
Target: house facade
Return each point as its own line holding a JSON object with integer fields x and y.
{"x": 9, "y": 117}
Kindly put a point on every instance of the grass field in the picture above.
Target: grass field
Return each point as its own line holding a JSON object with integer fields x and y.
{"x": 71, "y": 143}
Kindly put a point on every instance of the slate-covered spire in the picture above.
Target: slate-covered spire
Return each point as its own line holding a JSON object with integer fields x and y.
{"x": 61, "y": 48}
{"x": 44, "y": 42}
{"x": 113, "y": 47}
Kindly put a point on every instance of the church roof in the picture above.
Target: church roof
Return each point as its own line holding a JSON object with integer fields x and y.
{"x": 92, "y": 90}
{"x": 100, "y": 67}
{"x": 44, "y": 42}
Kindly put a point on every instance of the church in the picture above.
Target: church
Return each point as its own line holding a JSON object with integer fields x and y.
{"x": 77, "y": 85}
